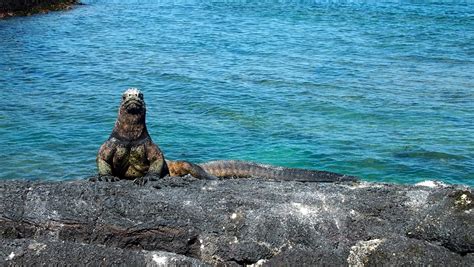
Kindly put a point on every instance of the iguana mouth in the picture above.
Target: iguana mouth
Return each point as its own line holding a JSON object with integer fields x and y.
{"x": 133, "y": 105}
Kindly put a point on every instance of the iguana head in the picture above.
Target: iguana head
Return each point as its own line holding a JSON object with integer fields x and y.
{"x": 132, "y": 101}
{"x": 130, "y": 124}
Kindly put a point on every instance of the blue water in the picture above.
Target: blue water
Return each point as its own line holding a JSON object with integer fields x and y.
{"x": 384, "y": 91}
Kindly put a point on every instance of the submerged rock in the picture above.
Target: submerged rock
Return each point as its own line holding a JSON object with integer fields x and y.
{"x": 184, "y": 221}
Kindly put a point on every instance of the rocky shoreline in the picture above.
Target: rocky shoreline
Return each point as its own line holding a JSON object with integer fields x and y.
{"x": 10, "y": 8}
{"x": 185, "y": 221}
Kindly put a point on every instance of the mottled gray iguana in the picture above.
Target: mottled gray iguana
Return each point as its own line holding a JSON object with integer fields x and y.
{"x": 130, "y": 154}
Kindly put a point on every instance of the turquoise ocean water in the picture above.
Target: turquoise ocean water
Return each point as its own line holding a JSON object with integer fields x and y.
{"x": 380, "y": 90}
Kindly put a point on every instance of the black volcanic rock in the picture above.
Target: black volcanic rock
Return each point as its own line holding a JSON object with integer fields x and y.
{"x": 184, "y": 221}
{"x": 10, "y": 8}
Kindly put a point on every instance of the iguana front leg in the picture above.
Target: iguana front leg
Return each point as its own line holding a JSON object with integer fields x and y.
{"x": 103, "y": 160}
{"x": 156, "y": 159}
{"x": 157, "y": 165}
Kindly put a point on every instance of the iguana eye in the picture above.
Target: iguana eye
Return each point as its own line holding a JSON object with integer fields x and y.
{"x": 123, "y": 97}
{"x": 140, "y": 95}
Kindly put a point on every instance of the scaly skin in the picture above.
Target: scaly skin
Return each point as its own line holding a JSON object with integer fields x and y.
{"x": 242, "y": 169}
{"x": 130, "y": 154}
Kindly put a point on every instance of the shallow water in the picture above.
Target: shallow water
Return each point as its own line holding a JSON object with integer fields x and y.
{"x": 384, "y": 91}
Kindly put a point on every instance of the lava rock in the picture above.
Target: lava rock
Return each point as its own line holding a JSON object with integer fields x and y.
{"x": 9, "y": 8}
{"x": 185, "y": 221}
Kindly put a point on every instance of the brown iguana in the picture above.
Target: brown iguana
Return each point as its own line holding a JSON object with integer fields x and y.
{"x": 130, "y": 154}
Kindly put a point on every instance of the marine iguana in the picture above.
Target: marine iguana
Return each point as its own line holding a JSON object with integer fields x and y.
{"x": 129, "y": 153}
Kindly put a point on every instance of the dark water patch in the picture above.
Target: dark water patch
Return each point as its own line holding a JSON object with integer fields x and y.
{"x": 428, "y": 155}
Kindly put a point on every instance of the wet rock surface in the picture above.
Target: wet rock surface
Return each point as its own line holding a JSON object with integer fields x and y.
{"x": 185, "y": 221}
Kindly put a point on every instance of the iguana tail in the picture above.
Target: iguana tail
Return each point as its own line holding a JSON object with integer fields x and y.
{"x": 242, "y": 169}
